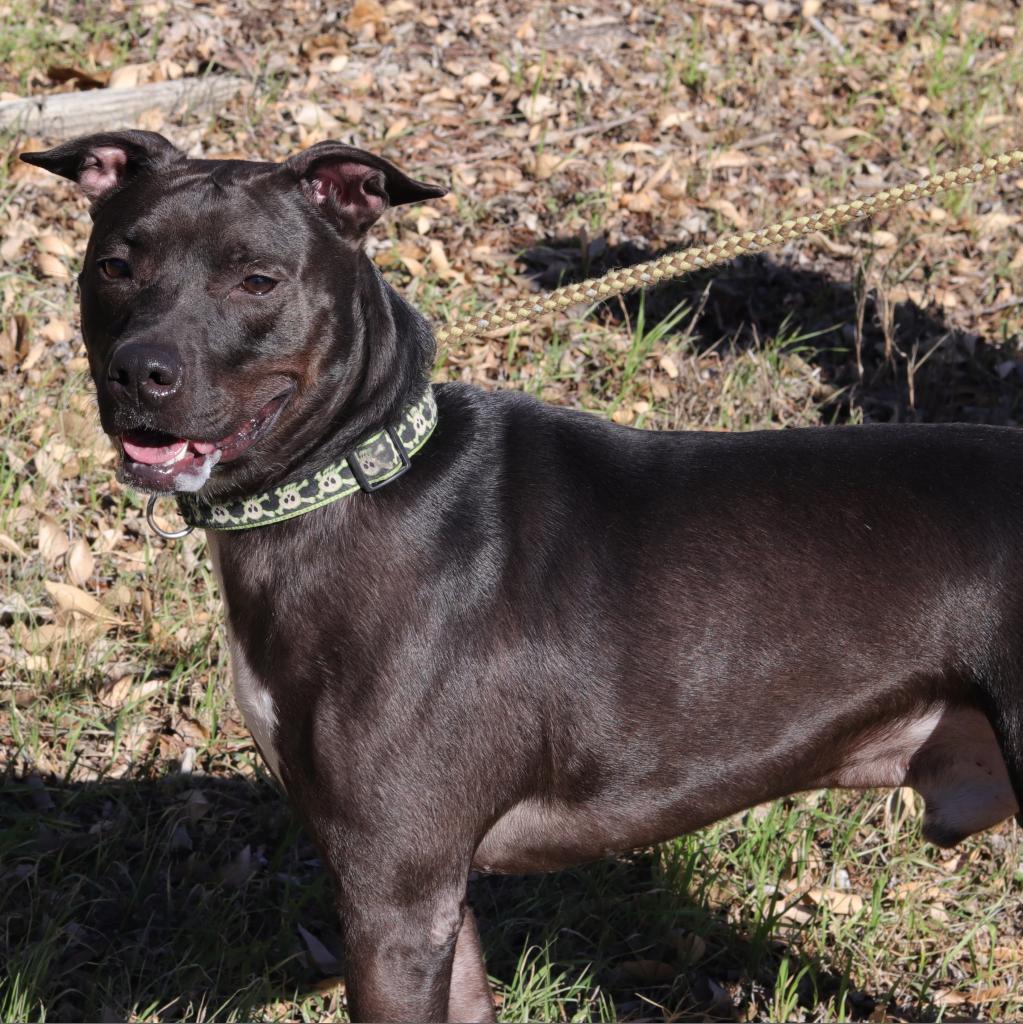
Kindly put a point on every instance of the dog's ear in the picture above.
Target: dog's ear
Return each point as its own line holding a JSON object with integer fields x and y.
{"x": 354, "y": 187}
{"x": 104, "y": 162}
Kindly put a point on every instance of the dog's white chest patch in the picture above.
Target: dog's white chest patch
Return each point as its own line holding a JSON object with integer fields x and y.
{"x": 252, "y": 695}
{"x": 256, "y": 705}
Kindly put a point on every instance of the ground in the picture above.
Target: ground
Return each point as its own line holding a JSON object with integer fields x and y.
{"x": 149, "y": 869}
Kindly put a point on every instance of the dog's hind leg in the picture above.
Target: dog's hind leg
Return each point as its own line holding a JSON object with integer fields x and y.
{"x": 1002, "y": 693}
{"x": 470, "y": 998}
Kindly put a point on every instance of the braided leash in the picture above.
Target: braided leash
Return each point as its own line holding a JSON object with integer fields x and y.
{"x": 520, "y": 311}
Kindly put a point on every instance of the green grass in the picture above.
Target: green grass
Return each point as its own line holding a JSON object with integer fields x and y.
{"x": 150, "y": 869}
{"x": 67, "y": 34}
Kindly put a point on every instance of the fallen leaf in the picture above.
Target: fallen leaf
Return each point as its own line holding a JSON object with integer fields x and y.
{"x": 53, "y": 539}
{"x": 668, "y": 365}
{"x": 312, "y": 115}
{"x": 844, "y": 133}
{"x": 51, "y": 266}
{"x": 691, "y": 948}
{"x": 476, "y": 81}
{"x": 55, "y": 245}
{"x": 152, "y": 120}
{"x": 11, "y": 246}
{"x": 237, "y": 873}
{"x": 363, "y": 13}
{"x": 545, "y": 165}
{"x": 73, "y": 599}
{"x": 728, "y": 210}
{"x": 638, "y": 202}
{"x": 439, "y": 259}
{"x": 842, "y": 904}
{"x": 35, "y": 353}
{"x": 82, "y": 79}
{"x": 80, "y": 563}
{"x": 396, "y": 128}
{"x": 797, "y": 914}
{"x": 48, "y": 467}
{"x": 729, "y": 159}
{"x": 322, "y": 958}
{"x": 57, "y": 330}
{"x": 191, "y": 730}
{"x": 128, "y": 76}
{"x": 536, "y": 107}
{"x": 10, "y": 545}
{"x": 993, "y": 223}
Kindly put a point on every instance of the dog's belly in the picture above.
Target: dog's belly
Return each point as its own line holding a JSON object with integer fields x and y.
{"x": 948, "y": 754}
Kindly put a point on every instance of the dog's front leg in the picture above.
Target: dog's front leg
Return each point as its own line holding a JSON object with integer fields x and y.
{"x": 400, "y": 940}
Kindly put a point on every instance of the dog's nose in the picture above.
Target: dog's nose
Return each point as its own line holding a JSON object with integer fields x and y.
{"x": 149, "y": 372}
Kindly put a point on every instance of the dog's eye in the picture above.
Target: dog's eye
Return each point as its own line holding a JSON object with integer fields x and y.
{"x": 115, "y": 269}
{"x": 259, "y": 284}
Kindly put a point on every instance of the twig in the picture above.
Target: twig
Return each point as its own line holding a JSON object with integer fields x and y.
{"x": 827, "y": 35}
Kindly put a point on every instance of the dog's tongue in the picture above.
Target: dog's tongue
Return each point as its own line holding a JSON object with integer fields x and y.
{"x": 154, "y": 454}
{"x": 151, "y": 452}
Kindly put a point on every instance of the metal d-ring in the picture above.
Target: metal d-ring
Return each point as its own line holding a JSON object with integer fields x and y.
{"x": 169, "y": 534}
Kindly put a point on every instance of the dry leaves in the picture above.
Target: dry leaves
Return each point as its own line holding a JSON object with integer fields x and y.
{"x": 70, "y": 598}
{"x": 80, "y": 563}
{"x": 128, "y": 691}
{"x": 53, "y": 539}
{"x": 52, "y": 266}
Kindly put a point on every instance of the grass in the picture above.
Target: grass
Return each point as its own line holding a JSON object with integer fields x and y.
{"x": 150, "y": 869}
{"x": 66, "y": 34}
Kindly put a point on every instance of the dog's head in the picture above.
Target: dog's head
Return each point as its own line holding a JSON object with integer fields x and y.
{"x": 227, "y": 305}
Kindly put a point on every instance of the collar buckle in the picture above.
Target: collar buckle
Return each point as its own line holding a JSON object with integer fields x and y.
{"x": 374, "y": 485}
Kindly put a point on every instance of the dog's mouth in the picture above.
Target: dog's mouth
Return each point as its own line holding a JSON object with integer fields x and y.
{"x": 159, "y": 461}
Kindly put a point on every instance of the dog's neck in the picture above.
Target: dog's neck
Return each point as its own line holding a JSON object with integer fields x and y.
{"x": 384, "y": 378}
{"x": 384, "y": 352}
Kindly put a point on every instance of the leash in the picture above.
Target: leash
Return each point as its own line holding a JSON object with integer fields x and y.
{"x": 521, "y": 311}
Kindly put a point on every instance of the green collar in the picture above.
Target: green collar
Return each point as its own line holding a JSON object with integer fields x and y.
{"x": 374, "y": 462}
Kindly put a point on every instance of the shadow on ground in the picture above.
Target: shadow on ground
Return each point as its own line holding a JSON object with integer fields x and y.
{"x": 192, "y": 896}
{"x": 915, "y": 368}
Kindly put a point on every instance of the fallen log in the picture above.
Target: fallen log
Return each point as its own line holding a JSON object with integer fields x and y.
{"x": 77, "y": 113}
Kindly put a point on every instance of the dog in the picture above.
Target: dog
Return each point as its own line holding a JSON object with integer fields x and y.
{"x": 472, "y": 631}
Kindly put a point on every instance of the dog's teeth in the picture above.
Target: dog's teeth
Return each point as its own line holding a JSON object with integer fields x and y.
{"x": 175, "y": 455}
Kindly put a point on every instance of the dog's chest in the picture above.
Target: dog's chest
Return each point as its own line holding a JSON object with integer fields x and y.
{"x": 255, "y": 703}
{"x": 251, "y": 693}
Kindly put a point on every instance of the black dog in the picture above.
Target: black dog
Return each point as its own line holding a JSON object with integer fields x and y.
{"x": 552, "y": 638}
